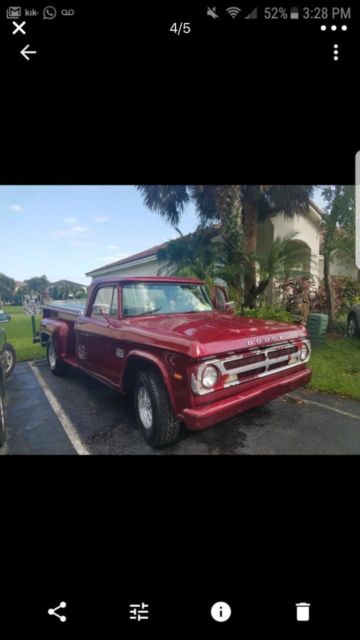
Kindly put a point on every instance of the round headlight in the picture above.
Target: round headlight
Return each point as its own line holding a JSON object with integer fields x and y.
{"x": 304, "y": 352}
{"x": 209, "y": 377}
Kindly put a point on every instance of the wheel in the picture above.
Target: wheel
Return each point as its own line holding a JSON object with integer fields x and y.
{"x": 2, "y": 422}
{"x": 353, "y": 327}
{"x": 153, "y": 410}
{"x": 57, "y": 366}
{"x": 10, "y": 359}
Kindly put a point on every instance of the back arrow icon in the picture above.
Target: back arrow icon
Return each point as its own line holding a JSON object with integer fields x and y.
{"x": 25, "y": 52}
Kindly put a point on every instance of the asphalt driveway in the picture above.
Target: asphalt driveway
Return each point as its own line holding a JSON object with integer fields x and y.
{"x": 76, "y": 414}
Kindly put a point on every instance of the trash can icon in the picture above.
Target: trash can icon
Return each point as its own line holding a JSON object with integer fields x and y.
{"x": 303, "y": 612}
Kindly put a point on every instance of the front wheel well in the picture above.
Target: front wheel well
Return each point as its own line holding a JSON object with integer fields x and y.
{"x": 137, "y": 363}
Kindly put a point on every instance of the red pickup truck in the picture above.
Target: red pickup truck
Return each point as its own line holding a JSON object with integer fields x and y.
{"x": 183, "y": 360}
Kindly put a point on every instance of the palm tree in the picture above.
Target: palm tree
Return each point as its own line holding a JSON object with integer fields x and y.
{"x": 261, "y": 202}
{"x": 286, "y": 259}
{"x": 213, "y": 203}
{"x": 193, "y": 255}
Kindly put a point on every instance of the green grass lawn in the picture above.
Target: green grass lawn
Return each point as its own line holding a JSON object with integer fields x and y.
{"x": 19, "y": 333}
{"x": 336, "y": 367}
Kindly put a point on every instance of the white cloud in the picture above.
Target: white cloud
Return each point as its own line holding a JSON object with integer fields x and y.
{"x": 112, "y": 246}
{"x": 16, "y": 207}
{"x": 101, "y": 218}
{"x": 61, "y": 233}
{"x": 76, "y": 230}
{"x": 70, "y": 220}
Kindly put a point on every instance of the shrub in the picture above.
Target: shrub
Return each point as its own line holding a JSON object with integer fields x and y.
{"x": 341, "y": 324}
{"x": 267, "y": 313}
{"x": 347, "y": 293}
{"x": 355, "y": 300}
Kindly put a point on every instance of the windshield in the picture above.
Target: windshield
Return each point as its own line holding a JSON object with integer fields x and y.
{"x": 149, "y": 299}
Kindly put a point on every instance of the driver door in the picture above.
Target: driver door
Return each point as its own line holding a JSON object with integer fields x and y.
{"x": 97, "y": 335}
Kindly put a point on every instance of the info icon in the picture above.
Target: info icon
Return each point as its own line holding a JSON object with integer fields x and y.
{"x": 220, "y": 611}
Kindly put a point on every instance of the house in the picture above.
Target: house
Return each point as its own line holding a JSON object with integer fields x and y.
{"x": 66, "y": 289}
{"x": 144, "y": 263}
{"x": 341, "y": 265}
{"x": 308, "y": 228}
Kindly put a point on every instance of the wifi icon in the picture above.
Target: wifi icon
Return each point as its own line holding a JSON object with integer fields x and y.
{"x": 233, "y": 11}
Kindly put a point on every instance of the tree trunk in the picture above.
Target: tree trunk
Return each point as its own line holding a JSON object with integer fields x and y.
{"x": 330, "y": 296}
{"x": 232, "y": 238}
{"x": 250, "y": 223}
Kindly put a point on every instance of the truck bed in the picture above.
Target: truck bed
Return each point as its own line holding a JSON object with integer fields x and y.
{"x": 63, "y": 309}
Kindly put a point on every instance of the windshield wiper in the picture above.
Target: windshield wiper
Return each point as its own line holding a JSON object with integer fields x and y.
{"x": 195, "y": 311}
{"x": 148, "y": 313}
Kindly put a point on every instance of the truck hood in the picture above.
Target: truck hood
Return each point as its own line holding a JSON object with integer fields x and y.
{"x": 201, "y": 335}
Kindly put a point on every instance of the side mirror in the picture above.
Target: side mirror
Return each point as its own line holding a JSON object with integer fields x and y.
{"x": 107, "y": 317}
{"x": 229, "y": 306}
{"x": 104, "y": 314}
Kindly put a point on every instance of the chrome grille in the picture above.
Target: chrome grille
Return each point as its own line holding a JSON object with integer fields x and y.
{"x": 241, "y": 362}
{"x": 252, "y": 364}
{"x": 283, "y": 351}
{"x": 269, "y": 357}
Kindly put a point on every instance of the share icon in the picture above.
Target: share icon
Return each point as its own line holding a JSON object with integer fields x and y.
{"x": 52, "y": 612}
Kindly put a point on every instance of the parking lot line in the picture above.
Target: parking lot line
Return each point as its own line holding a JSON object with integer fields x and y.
{"x": 64, "y": 419}
{"x": 326, "y": 406}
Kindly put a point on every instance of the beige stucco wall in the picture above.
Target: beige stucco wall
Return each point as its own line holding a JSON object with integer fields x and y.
{"x": 308, "y": 231}
{"x": 341, "y": 265}
{"x": 146, "y": 269}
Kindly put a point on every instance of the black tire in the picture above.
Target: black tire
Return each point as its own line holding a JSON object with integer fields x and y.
{"x": 10, "y": 359}
{"x": 57, "y": 366}
{"x": 2, "y": 422}
{"x": 353, "y": 326}
{"x": 163, "y": 428}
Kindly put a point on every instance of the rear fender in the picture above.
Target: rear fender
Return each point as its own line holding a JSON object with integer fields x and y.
{"x": 61, "y": 333}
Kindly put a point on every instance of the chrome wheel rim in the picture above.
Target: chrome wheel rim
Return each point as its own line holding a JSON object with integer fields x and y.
{"x": 352, "y": 328}
{"x": 145, "y": 407}
{"x": 9, "y": 360}
{"x": 52, "y": 356}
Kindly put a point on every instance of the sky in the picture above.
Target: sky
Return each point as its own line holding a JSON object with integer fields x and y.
{"x": 66, "y": 231}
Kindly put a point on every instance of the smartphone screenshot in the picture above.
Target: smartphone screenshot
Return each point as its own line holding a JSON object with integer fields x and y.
{"x": 179, "y": 320}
